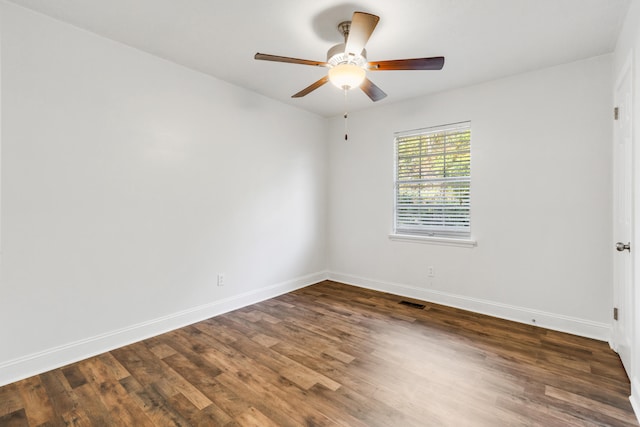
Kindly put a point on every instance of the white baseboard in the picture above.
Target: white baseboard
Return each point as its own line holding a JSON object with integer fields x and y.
{"x": 635, "y": 397}
{"x": 557, "y": 322}
{"x": 37, "y": 363}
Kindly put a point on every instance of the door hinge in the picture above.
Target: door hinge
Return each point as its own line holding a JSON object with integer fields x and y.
{"x": 616, "y": 113}
{"x": 615, "y": 313}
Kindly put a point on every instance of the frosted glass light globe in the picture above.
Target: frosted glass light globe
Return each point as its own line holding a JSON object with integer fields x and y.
{"x": 347, "y": 76}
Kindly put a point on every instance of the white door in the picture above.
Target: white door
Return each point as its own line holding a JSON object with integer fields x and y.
{"x": 622, "y": 230}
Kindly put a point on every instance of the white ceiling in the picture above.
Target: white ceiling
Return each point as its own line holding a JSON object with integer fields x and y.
{"x": 481, "y": 39}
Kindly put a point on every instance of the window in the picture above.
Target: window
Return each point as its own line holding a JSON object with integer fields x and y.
{"x": 433, "y": 179}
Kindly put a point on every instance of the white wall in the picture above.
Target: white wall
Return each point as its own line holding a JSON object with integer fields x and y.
{"x": 128, "y": 182}
{"x": 541, "y": 200}
{"x": 628, "y": 48}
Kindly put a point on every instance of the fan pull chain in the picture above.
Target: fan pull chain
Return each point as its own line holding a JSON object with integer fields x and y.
{"x": 346, "y": 115}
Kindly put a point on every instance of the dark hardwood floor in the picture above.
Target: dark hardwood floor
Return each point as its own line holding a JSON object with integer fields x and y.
{"x": 332, "y": 354}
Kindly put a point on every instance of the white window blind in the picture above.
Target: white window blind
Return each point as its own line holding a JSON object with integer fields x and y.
{"x": 433, "y": 180}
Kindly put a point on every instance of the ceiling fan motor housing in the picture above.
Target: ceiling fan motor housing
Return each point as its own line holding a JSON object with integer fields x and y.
{"x": 337, "y": 55}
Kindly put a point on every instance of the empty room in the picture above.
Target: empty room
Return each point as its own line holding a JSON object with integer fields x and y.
{"x": 287, "y": 213}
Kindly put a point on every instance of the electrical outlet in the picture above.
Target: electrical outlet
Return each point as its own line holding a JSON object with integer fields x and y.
{"x": 430, "y": 271}
{"x": 220, "y": 279}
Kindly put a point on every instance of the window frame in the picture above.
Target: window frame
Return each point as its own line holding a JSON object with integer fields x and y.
{"x": 434, "y": 234}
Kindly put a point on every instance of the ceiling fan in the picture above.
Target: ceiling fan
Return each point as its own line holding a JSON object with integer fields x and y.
{"x": 347, "y": 62}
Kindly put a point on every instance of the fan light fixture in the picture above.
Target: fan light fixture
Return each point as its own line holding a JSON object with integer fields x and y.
{"x": 347, "y": 62}
{"x": 347, "y": 76}
{"x": 348, "y": 65}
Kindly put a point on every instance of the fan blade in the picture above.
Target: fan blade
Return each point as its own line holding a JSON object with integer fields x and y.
{"x": 372, "y": 91}
{"x": 311, "y": 87}
{"x": 362, "y": 26}
{"x": 275, "y": 58}
{"x": 435, "y": 63}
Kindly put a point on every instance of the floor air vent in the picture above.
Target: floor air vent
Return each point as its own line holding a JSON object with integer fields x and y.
{"x": 412, "y": 304}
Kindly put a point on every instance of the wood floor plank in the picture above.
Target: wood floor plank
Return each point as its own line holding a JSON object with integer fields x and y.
{"x": 281, "y": 394}
{"x": 15, "y": 419}
{"x": 336, "y": 355}
{"x": 253, "y": 417}
{"x": 62, "y": 398}
{"x": 122, "y": 407}
{"x": 290, "y": 398}
{"x": 162, "y": 350}
{"x": 77, "y": 418}
{"x": 196, "y": 369}
{"x": 156, "y": 406}
{"x": 118, "y": 371}
{"x": 10, "y": 399}
{"x": 74, "y": 376}
{"x": 36, "y": 401}
{"x": 585, "y": 402}
{"x": 212, "y": 415}
{"x": 90, "y": 408}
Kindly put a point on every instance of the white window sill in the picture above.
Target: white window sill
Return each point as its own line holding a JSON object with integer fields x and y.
{"x": 446, "y": 241}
